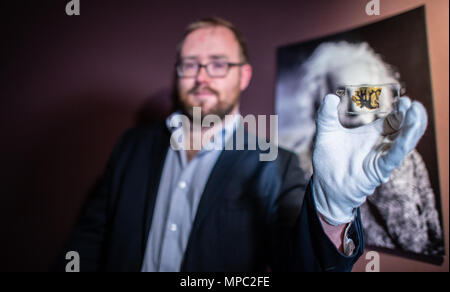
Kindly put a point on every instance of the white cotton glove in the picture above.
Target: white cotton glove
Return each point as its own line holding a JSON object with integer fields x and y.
{"x": 350, "y": 163}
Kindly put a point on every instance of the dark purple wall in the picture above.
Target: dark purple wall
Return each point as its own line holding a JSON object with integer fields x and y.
{"x": 71, "y": 85}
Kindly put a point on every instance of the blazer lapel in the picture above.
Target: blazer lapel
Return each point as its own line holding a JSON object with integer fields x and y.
{"x": 225, "y": 165}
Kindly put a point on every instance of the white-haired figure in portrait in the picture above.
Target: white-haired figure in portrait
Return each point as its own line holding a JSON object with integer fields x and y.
{"x": 402, "y": 213}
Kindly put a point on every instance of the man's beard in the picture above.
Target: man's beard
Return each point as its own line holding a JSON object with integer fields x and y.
{"x": 221, "y": 109}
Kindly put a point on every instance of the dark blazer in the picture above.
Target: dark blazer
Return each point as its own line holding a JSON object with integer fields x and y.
{"x": 253, "y": 215}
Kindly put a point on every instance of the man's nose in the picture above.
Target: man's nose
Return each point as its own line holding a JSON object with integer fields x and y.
{"x": 202, "y": 75}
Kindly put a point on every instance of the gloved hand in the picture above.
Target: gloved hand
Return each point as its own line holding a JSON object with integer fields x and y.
{"x": 350, "y": 163}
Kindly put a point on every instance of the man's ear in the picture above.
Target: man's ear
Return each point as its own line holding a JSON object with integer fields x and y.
{"x": 246, "y": 76}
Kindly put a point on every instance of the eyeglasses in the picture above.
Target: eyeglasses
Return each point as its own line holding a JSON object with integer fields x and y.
{"x": 215, "y": 69}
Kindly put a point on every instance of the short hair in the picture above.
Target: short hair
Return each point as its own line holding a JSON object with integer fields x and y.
{"x": 216, "y": 22}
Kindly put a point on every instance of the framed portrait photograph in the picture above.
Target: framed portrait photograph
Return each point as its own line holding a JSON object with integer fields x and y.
{"x": 403, "y": 216}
